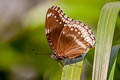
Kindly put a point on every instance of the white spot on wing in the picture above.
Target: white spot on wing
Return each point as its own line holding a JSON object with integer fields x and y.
{"x": 60, "y": 22}
{"x": 63, "y": 32}
{"x": 65, "y": 16}
{"x": 78, "y": 32}
{"x": 62, "y": 13}
{"x": 54, "y": 16}
{"x": 71, "y": 29}
{"x": 56, "y": 8}
{"x": 77, "y": 22}
{"x": 48, "y": 15}
{"x": 86, "y": 27}
{"x": 59, "y": 11}
{"x": 75, "y": 30}
{"x": 64, "y": 24}
{"x": 82, "y": 24}
{"x": 70, "y": 19}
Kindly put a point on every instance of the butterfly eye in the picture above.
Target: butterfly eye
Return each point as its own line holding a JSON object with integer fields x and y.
{"x": 68, "y": 38}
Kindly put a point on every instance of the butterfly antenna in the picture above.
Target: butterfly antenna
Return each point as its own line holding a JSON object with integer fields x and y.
{"x": 38, "y": 53}
{"x": 61, "y": 66}
{"x": 42, "y": 54}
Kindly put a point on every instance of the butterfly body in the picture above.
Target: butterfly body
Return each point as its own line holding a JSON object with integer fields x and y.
{"x": 67, "y": 38}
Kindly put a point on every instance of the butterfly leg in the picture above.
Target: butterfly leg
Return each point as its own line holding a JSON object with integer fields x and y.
{"x": 61, "y": 66}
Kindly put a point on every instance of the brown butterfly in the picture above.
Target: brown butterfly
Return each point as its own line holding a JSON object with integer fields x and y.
{"x": 67, "y": 38}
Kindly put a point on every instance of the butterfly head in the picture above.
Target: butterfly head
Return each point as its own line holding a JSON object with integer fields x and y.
{"x": 58, "y": 57}
{"x": 53, "y": 56}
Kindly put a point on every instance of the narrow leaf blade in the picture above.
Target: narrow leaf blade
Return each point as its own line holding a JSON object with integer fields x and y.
{"x": 105, "y": 32}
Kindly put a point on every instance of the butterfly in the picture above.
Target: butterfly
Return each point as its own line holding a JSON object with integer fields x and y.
{"x": 68, "y": 38}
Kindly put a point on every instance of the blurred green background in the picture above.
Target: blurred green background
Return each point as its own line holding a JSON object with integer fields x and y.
{"x": 24, "y": 51}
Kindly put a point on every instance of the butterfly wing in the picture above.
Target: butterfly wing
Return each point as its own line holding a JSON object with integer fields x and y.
{"x": 75, "y": 40}
{"x": 68, "y": 38}
{"x": 54, "y": 26}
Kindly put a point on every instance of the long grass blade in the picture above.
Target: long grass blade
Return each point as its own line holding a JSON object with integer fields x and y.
{"x": 105, "y": 32}
{"x": 72, "y": 69}
{"x": 112, "y": 62}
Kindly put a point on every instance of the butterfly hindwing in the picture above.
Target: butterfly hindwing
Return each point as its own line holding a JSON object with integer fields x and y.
{"x": 70, "y": 42}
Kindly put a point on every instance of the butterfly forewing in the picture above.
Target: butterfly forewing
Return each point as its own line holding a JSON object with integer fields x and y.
{"x": 54, "y": 26}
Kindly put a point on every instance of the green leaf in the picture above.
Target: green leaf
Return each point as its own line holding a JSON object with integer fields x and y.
{"x": 105, "y": 32}
{"x": 112, "y": 62}
{"x": 72, "y": 69}
{"x": 111, "y": 76}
